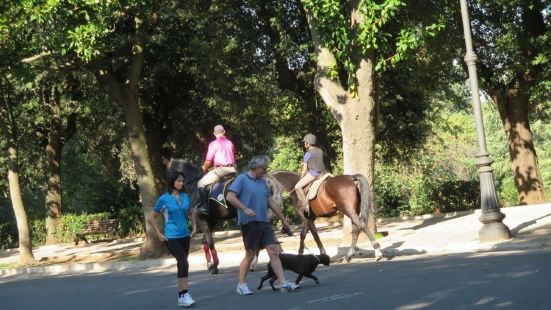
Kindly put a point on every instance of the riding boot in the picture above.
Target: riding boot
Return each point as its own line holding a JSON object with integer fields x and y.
{"x": 306, "y": 210}
{"x": 203, "y": 206}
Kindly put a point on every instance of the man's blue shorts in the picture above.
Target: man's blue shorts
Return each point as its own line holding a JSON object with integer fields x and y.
{"x": 257, "y": 235}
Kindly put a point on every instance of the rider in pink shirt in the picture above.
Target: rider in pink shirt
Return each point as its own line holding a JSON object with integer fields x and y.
{"x": 220, "y": 155}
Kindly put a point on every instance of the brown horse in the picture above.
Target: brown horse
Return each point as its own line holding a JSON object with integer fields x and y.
{"x": 348, "y": 194}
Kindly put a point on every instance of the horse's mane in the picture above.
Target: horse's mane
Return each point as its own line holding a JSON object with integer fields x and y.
{"x": 276, "y": 188}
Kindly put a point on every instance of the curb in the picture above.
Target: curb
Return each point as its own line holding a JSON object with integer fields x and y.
{"x": 233, "y": 259}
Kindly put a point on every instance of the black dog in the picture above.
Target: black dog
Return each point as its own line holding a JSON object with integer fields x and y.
{"x": 304, "y": 265}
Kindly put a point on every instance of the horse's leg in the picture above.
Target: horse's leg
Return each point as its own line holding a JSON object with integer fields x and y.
{"x": 314, "y": 231}
{"x": 355, "y": 234}
{"x": 376, "y": 246}
{"x": 303, "y": 233}
{"x": 358, "y": 227}
{"x": 206, "y": 250}
{"x": 209, "y": 241}
{"x": 213, "y": 252}
{"x": 255, "y": 260}
{"x": 305, "y": 227}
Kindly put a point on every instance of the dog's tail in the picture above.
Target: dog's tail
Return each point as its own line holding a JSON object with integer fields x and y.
{"x": 365, "y": 199}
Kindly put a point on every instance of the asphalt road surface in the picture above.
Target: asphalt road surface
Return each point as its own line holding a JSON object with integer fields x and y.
{"x": 503, "y": 280}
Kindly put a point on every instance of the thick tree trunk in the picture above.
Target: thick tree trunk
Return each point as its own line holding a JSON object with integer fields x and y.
{"x": 26, "y": 256}
{"x": 126, "y": 95}
{"x": 513, "y": 108}
{"x": 53, "y": 154}
{"x": 355, "y": 114}
{"x": 9, "y": 125}
{"x": 53, "y": 191}
{"x": 359, "y": 133}
{"x": 144, "y": 172}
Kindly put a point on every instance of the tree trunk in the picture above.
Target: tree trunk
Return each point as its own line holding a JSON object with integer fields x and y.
{"x": 9, "y": 125}
{"x": 355, "y": 114}
{"x": 513, "y": 105}
{"x": 144, "y": 172}
{"x": 26, "y": 256}
{"x": 358, "y": 125}
{"x": 53, "y": 191}
{"x": 126, "y": 95}
{"x": 53, "y": 154}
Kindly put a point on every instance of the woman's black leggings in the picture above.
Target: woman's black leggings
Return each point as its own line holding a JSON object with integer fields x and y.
{"x": 179, "y": 248}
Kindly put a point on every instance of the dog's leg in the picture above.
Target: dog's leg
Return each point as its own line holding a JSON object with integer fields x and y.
{"x": 272, "y": 280}
{"x": 264, "y": 278}
{"x": 300, "y": 275}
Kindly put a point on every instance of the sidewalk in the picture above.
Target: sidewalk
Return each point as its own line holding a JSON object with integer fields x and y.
{"x": 430, "y": 235}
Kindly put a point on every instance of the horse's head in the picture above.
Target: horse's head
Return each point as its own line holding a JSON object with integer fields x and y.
{"x": 191, "y": 173}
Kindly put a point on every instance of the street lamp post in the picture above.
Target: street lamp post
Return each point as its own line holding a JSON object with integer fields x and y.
{"x": 492, "y": 229}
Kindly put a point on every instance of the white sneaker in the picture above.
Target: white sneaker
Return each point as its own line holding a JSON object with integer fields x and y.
{"x": 185, "y": 300}
{"x": 243, "y": 289}
{"x": 289, "y": 287}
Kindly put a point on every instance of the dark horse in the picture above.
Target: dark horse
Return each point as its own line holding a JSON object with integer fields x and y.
{"x": 216, "y": 211}
{"x": 348, "y": 194}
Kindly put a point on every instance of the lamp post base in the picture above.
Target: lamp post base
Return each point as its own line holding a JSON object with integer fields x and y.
{"x": 493, "y": 230}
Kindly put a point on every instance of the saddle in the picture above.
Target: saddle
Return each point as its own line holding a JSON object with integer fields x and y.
{"x": 217, "y": 190}
{"x": 311, "y": 190}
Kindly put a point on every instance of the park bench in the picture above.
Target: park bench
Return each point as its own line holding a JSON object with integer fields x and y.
{"x": 108, "y": 227}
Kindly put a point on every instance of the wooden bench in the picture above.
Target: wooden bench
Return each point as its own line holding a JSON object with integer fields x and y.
{"x": 108, "y": 227}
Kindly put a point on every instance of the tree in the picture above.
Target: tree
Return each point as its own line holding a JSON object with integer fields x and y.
{"x": 351, "y": 42}
{"x": 9, "y": 48}
{"x": 512, "y": 41}
{"x": 79, "y": 34}
{"x": 8, "y": 122}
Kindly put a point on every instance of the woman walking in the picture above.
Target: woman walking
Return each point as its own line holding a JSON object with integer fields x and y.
{"x": 175, "y": 207}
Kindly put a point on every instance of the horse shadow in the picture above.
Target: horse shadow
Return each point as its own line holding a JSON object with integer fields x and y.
{"x": 389, "y": 252}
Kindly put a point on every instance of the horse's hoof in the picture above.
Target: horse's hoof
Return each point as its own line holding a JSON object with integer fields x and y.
{"x": 378, "y": 255}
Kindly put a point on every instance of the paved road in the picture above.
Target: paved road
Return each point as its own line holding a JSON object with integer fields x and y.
{"x": 504, "y": 280}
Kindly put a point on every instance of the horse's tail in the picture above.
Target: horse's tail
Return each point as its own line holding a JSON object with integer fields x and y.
{"x": 365, "y": 198}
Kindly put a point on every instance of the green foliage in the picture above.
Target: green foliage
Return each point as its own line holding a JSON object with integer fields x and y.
{"x": 352, "y": 32}
{"x": 71, "y": 224}
{"x": 8, "y": 235}
{"x": 287, "y": 155}
{"x": 38, "y": 232}
{"x": 131, "y": 219}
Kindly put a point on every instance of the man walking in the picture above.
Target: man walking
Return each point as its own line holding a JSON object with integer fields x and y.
{"x": 250, "y": 195}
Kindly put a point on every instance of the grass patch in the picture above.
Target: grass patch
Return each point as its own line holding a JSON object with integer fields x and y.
{"x": 7, "y": 265}
{"x": 132, "y": 258}
{"x": 380, "y": 235}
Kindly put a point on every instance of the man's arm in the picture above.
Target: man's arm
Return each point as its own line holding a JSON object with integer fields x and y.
{"x": 206, "y": 165}
{"x": 279, "y": 212}
{"x": 231, "y": 197}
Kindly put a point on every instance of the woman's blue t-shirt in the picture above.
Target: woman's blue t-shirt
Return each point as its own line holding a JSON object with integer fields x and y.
{"x": 176, "y": 220}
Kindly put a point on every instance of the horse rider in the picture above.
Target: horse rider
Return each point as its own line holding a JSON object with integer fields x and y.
{"x": 221, "y": 156}
{"x": 312, "y": 167}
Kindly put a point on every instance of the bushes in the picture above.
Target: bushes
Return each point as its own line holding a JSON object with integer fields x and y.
{"x": 71, "y": 224}
{"x": 8, "y": 235}
{"x": 458, "y": 195}
{"x": 131, "y": 220}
